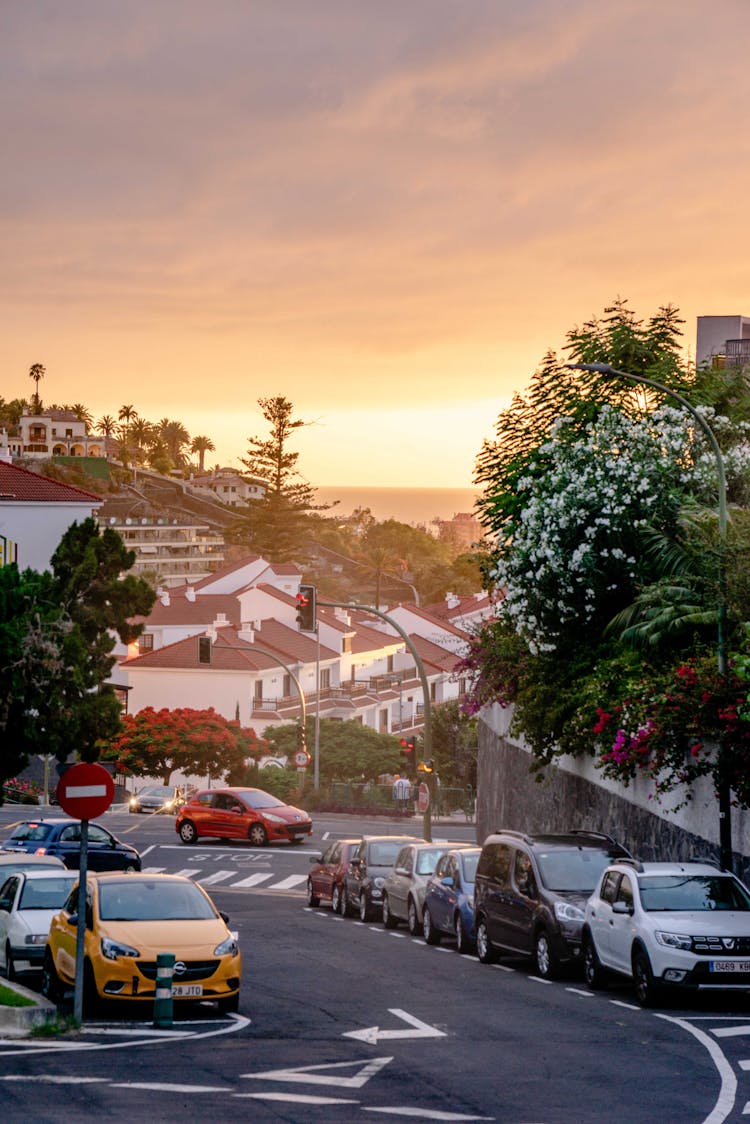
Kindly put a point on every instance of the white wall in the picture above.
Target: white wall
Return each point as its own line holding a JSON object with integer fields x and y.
{"x": 38, "y": 528}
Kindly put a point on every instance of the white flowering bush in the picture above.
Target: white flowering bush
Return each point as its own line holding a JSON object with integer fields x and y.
{"x": 575, "y": 558}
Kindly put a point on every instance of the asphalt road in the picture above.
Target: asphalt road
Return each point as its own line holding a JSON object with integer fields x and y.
{"x": 339, "y": 1021}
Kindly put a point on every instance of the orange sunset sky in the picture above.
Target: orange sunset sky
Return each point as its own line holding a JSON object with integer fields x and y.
{"x": 385, "y": 210}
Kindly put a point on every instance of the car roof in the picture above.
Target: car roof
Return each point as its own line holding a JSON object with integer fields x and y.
{"x": 23, "y": 858}
{"x": 697, "y": 868}
{"x": 48, "y": 872}
{"x": 137, "y": 876}
{"x": 394, "y": 838}
{"x": 568, "y": 841}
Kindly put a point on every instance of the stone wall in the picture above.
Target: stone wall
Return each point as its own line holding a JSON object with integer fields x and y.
{"x": 573, "y": 794}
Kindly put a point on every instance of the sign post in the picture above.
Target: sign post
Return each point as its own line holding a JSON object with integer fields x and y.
{"x": 84, "y": 792}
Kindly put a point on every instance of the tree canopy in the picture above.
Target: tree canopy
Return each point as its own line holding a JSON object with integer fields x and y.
{"x": 57, "y": 632}
{"x": 608, "y": 563}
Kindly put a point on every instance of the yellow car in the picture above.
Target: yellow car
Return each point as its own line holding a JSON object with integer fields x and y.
{"x": 130, "y": 919}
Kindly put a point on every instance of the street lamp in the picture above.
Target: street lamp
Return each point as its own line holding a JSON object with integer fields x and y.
{"x": 725, "y": 806}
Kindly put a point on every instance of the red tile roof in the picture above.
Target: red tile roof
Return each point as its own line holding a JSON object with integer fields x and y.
{"x": 19, "y": 485}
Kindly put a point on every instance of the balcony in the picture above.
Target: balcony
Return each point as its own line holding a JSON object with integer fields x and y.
{"x": 737, "y": 353}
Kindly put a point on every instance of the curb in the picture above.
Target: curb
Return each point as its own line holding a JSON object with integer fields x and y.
{"x": 18, "y": 1022}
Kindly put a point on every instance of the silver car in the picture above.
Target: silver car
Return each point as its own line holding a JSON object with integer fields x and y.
{"x": 405, "y": 885}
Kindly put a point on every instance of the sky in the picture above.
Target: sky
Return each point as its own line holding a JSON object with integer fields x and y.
{"x": 386, "y": 211}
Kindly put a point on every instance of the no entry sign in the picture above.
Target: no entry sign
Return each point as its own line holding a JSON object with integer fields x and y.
{"x": 85, "y": 791}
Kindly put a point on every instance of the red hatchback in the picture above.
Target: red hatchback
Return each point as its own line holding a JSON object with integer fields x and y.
{"x": 241, "y": 813}
{"x": 328, "y": 873}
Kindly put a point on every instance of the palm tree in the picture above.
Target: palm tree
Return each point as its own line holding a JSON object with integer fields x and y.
{"x": 127, "y": 414}
{"x": 142, "y": 434}
{"x": 175, "y": 436}
{"x": 82, "y": 413}
{"x": 36, "y": 372}
{"x": 107, "y": 425}
{"x": 201, "y": 446}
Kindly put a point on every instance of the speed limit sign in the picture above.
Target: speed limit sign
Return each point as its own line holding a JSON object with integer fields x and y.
{"x": 302, "y": 759}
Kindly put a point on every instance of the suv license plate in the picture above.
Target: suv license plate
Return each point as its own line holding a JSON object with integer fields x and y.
{"x": 729, "y": 966}
{"x": 184, "y": 991}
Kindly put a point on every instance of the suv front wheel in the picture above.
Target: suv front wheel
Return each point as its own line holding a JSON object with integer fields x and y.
{"x": 643, "y": 979}
{"x": 547, "y": 964}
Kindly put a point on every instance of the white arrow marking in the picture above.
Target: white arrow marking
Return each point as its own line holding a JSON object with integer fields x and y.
{"x": 309, "y": 1075}
{"x": 424, "y": 1113}
{"x": 373, "y": 1034}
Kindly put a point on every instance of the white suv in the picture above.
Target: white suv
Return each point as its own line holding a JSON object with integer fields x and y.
{"x": 659, "y": 924}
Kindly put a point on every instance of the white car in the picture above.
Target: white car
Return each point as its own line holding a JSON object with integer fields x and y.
{"x": 28, "y": 901}
{"x": 668, "y": 925}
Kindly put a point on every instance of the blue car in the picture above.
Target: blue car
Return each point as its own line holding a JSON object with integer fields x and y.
{"x": 62, "y": 838}
{"x": 449, "y": 899}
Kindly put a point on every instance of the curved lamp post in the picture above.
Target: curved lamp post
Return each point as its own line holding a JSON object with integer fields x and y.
{"x": 725, "y": 806}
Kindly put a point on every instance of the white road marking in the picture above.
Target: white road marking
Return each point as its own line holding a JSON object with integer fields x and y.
{"x": 189, "y": 871}
{"x": 238, "y": 1022}
{"x": 163, "y": 1087}
{"x": 538, "y": 979}
{"x": 627, "y": 1006}
{"x": 253, "y": 880}
{"x": 580, "y": 991}
{"x": 373, "y": 1034}
{"x": 730, "y": 1031}
{"x": 295, "y": 1098}
{"x": 154, "y": 869}
{"x": 728, "y": 1087}
{"x": 217, "y": 876}
{"x": 423, "y": 1113}
{"x": 51, "y": 1079}
{"x": 312, "y": 1075}
{"x": 501, "y": 967}
{"x": 288, "y": 883}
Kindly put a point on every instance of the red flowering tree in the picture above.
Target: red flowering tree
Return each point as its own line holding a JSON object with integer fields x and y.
{"x": 691, "y": 723}
{"x": 159, "y": 742}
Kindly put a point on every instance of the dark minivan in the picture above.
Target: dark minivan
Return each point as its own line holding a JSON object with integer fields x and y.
{"x": 530, "y": 894}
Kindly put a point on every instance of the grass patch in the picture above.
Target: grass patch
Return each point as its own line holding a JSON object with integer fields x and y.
{"x": 62, "y": 1024}
{"x": 10, "y": 998}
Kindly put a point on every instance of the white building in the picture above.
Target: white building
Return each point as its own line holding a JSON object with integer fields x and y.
{"x": 227, "y": 486}
{"x": 176, "y": 551}
{"x": 55, "y": 433}
{"x": 723, "y": 338}
{"x": 35, "y": 513}
{"x": 232, "y": 642}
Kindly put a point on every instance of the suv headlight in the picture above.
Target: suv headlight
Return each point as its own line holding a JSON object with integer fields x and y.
{"x": 229, "y": 947}
{"x": 379, "y": 883}
{"x": 564, "y": 911}
{"x": 274, "y": 819}
{"x": 675, "y": 940}
{"x": 114, "y": 949}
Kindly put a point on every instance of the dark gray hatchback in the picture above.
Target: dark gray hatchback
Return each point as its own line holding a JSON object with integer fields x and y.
{"x": 530, "y": 893}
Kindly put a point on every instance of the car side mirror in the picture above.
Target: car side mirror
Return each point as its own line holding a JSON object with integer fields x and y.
{"x": 621, "y": 908}
{"x": 224, "y": 916}
{"x": 73, "y": 920}
{"x": 355, "y": 862}
{"x": 316, "y": 858}
{"x": 447, "y": 881}
{"x": 400, "y": 870}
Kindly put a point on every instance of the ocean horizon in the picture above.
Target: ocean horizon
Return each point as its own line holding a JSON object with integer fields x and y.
{"x": 407, "y": 505}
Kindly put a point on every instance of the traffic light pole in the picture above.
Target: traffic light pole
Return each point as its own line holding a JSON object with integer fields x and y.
{"x": 427, "y": 732}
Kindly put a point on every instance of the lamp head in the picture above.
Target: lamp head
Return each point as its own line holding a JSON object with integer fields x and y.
{"x": 596, "y": 368}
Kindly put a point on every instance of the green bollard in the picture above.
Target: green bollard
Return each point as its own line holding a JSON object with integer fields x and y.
{"x": 163, "y": 1002}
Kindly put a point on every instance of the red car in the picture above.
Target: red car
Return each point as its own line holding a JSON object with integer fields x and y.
{"x": 329, "y": 870}
{"x": 241, "y": 813}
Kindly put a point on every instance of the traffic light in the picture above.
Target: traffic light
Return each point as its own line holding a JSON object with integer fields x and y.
{"x": 307, "y": 608}
{"x": 426, "y": 767}
{"x": 408, "y": 747}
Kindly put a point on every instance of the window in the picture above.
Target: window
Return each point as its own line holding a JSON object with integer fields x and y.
{"x": 346, "y": 644}
{"x": 258, "y": 690}
{"x": 524, "y": 873}
{"x": 383, "y": 721}
{"x": 496, "y": 863}
{"x": 390, "y": 663}
{"x": 286, "y": 688}
{"x": 204, "y": 649}
{"x": 609, "y": 886}
{"x": 146, "y": 642}
{"x": 325, "y": 678}
{"x": 625, "y": 893}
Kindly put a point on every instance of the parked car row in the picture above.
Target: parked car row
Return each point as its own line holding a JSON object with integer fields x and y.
{"x": 575, "y": 901}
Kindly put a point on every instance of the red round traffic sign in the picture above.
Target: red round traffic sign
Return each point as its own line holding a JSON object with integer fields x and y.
{"x": 85, "y": 790}
{"x": 423, "y": 797}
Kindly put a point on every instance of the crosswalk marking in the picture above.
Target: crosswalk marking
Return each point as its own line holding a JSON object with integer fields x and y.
{"x": 253, "y": 880}
{"x": 189, "y": 871}
{"x": 288, "y": 883}
{"x": 218, "y": 876}
{"x": 154, "y": 869}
